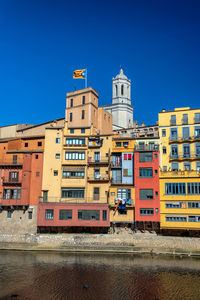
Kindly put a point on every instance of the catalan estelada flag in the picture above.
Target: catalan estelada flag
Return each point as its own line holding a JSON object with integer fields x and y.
{"x": 79, "y": 74}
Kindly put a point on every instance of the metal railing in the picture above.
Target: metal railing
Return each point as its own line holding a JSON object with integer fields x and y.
{"x": 149, "y": 147}
{"x": 183, "y": 139}
{"x": 171, "y": 173}
{"x": 192, "y": 155}
{"x": 11, "y": 161}
{"x": 98, "y": 177}
{"x": 116, "y": 163}
{"x": 94, "y": 199}
{"x": 98, "y": 160}
{"x": 94, "y": 143}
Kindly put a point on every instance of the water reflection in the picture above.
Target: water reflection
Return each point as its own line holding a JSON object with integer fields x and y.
{"x": 44, "y": 275}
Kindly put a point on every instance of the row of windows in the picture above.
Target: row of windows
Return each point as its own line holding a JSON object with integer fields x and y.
{"x": 119, "y": 144}
{"x": 75, "y": 141}
{"x": 67, "y": 214}
{"x": 74, "y": 155}
{"x": 146, "y": 156}
{"x": 10, "y": 213}
{"x": 186, "y": 166}
{"x": 147, "y": 194}
{"x": 12, "y": 194}
{"x": 38, "y": 143}
{"x": 72, "y": 101}
{"x": 193, "y": 188}
{"x": 82, "y": 115}
{"x": 67, "y": 174}
{"x": 185, "y": 133}
{"x": 182, "y": 218}
{"x": 185, "y": 119}
{"x": 182, "y": 205}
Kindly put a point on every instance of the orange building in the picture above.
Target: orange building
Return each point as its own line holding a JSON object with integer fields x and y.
{"x": 21, "y": 164}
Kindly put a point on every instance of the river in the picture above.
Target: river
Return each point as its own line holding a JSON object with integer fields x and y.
{"x": 50, "y": 275}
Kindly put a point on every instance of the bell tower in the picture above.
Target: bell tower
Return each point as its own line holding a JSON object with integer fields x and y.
{"x": 121, "y": 89}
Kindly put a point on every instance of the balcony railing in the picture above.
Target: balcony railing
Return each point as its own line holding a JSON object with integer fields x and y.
{"x": 11, "y": 181}
{"x": 95, "y": 143}
{"x": 191, "y": 173}
{"x": 185, "y": 156}
{"x": 10, "y": 202}
{"x": 100, "y": 160}
{"x": 95, "y": 199}
{"x": 196, "y": 120}
{"x": 149, "y": 147}
{"x": 116, "y": 163}
{"x": 11, "y": 162}
{"x": 179, "y": 139}
{"x": 99, "y": 177}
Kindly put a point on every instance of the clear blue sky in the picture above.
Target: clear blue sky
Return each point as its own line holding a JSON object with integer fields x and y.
{"x": 42, "y": 42}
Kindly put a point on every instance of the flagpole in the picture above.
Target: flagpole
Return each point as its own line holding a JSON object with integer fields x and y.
{"x": 85, "y": 78}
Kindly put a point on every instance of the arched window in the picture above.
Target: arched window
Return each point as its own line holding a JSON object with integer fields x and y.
{"x": 122, "y": 89}
{"x": 116, "y": 89}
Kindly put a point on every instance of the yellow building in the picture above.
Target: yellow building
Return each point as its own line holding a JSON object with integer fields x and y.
{"x": 76, "y": 175}
{"x": 122, "y": 192}
{"x": 180, "y": 169}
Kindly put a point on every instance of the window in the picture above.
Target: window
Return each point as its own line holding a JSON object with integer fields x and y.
{"x": 88, "y": 215}
{"x": 173, "y": 134}
{"x": 187, "y": 166}
{"x": 197, "y": 132}
{"x": 175, "y": 188}
{"x": 13, "y": 176}
{"x": 71, "y": 102}
{"x": 164, "y": 150}
{"x": 174, "y": 151}
{"x": 75, "y": 141}
{"x": 156, "y": 210}
{"x": 124, "y": 193}
{"x": 97, "y": 156}
{"x": 156, "y": 193}
{"x": 26, "y": 145}
{"x": 12, "y": 194}
{"x": 185, "y": 118}
{"x": 186, "y": 133}
{"x": 193, "y": 204}
{"x": 73, "y": 174}
{"x": 96, "y": 193}
{"x": 173, "y": 120}
{"x": 30, "y": 215}
{"x": 74, "y": 155}
{"x": 55, "y": 172}
{"x": 174, "y": 166}
{"x": 36, "y": 156}
{"x": 198, "y": 166}
{"x": 163, "y": 132}
{"x": 118, "y": 144}
{"x": 125, "y": 144}
{"x": 71, "y": 130}
{"x": 146, "y": 211}
{"x": 112, "y": 193}
{"x": 49, "y": 214}
{"x": 82, "y": 130}
{"x": 37, "y": 174}
{"x": 164, "y": 168}
{"x": 146, "y": 172}
{"x": 176, "y": 219}
{"x": 83, "y": 115}
{"x": 145, "y": 156}
{"x": 193, "y": 188}
{"x": 156, "y": 171}
{"x": 57, "y": 140}
{"x": 129, "y": 156}
{"x": 175, "y": 205}
{"x": 155, "y": 155}
{"x": 57, "y": 156}
{"x": 70, "y": 117}
{"x": 122, "y": 212}
{"x": 72, "y": 193}
{"x": 14, "y": 159}
{"x": 197, "y": 149}
{"x": 186, "y": 150}
{"x": 9, "y": 214}
{"x": 65, "y": 214}
{"x": 104, "y": 215}
{"x": 45, "y": 196}
{"x": 39, "y": 144}
{"x": 127, "y": 172}
{"x": 125, "y": 156}
{"x": 194, "y": 219}
{"x": 122, "y": 89}
{"x": 197, "y": 118}
{"x": 146, "y": 194}
{"x": 83, "y": 100}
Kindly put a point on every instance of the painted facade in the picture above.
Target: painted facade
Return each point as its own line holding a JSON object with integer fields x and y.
{"x": 180, "y": 165}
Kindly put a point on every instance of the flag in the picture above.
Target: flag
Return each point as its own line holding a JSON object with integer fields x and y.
{"x": 79, "y": 74}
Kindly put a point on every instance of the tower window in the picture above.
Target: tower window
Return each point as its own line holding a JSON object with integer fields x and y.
{"x": 116, "y": 90}
{"x": 72, "y": 103}
{"x": 122, "y": 90}
{"x": 83, "y": 99}
{"x": 70, "y": 117}
{"x": 83, "y": 114}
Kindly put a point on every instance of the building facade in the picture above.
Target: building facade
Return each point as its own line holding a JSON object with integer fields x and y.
{"x": 180, "y": 170}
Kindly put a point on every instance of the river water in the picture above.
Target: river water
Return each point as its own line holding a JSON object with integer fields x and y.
{"x": 50, "y": 275}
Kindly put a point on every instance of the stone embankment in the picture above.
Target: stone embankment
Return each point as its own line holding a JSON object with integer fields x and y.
{"x": 113, "y": 243}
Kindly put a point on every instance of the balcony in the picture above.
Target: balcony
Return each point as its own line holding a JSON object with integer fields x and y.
{"x": 13, "y": 202}
{"x": 11, "y": 181}
{"x": 185, "y": 156}
{"x": 95, "y": 199}
{"x": 196, "y": 120}
{"x": 181, "y": 139}
{"x": 10, "y": 162}
{"x": 149, "y": 147}
{"x": 169, "y": 174}
{"x": 94, "y": 143}
{"x": 98, "y": 160}
{"x": 98, "y": 178}
{"x": 116, "y": 163}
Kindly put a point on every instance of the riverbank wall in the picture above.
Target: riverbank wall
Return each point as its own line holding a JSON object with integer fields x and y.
{"x": 110, "y": 243}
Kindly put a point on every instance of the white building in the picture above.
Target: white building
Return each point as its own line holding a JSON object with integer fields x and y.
{"x": 121, "y": 108}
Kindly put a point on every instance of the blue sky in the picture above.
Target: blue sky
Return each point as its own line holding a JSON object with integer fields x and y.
{"x": 42, "y": 42}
